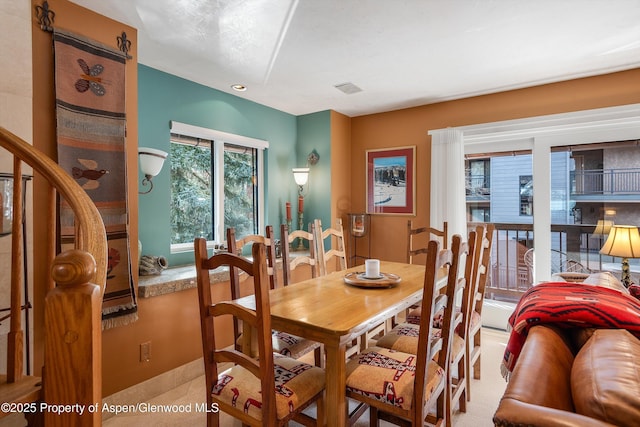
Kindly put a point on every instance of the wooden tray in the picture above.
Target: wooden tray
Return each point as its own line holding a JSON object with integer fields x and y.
{"x": 386, "y": 280}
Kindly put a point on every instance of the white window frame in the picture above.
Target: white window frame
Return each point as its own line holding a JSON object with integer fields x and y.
{"x": 219, "y": 138}
{"x": 540, "y": 134}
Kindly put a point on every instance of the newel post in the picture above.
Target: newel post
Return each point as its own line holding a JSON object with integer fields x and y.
{"x": 73, "y": 342}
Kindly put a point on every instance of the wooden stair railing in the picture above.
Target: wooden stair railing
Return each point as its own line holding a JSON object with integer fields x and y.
{"x": 72, "y": 374}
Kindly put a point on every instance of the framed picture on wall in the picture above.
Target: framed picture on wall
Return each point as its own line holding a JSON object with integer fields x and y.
{"x": 391, "y": 181}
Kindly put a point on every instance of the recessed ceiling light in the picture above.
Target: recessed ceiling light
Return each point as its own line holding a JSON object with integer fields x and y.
{"x": 239, "y": 87}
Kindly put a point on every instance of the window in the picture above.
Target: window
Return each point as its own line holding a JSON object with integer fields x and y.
{"x": 478, "y": 177}
{"x": 216, "y": 183}
{"x": 526, "y": 195}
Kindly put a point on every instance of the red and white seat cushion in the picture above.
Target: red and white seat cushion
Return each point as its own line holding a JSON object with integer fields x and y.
{"x": 296, "y": 383}
{"x": 291, "y": 345}
{"x": 388, "y": 376}
{"x": 404, "y": 337}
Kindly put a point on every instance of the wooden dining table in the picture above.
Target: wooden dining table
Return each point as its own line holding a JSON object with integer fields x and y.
{"x": 330, "y": 311}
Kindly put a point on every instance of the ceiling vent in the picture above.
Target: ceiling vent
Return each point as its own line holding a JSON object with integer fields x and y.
{"x": 348, "y": 88}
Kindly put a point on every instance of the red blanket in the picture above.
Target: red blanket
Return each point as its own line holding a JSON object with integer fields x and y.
{"x": 569, "y": 305}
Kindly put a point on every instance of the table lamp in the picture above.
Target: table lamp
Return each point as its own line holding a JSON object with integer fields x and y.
{"x": 624, "y": 242}
{"x": 603, "y": 227}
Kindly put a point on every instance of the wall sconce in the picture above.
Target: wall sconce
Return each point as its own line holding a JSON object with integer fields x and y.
{"x": 301, "y": 176}
{"x": 151, "y": 161}
{"x": 623, "y": 242}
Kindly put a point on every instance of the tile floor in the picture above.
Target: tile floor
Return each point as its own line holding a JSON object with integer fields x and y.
{"x": 485, "y": 395}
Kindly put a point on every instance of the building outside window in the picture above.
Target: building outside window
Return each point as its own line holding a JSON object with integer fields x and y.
{"x": 526, "y": 195}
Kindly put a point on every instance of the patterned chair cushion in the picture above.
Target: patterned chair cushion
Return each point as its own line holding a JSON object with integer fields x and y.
{"x": 285, "y": 344}
{"x": 291, "y": 345}
{"x": 404, "y": 338}
{"x": 414, "y": 317}
{"x": 387, "y": 376}
{"x": 296, "y": 384}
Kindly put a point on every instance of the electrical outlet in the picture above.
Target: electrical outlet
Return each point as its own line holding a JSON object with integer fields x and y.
{"x": 145, "y": 351}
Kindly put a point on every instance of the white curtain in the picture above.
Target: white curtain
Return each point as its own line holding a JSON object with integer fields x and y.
{"x": 448, "y": 201}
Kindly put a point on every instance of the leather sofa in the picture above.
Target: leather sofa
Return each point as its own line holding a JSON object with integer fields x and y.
{"x": 574, "y": 377}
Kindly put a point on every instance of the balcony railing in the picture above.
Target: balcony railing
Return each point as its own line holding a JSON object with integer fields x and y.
{"x": 605, "y": 181}
{"x": 510, "y": 276}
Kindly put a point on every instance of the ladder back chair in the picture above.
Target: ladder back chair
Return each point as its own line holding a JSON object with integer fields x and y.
{"x": 289, "y": 264}
{"x": 337, "y": 250}
{"x": 427, "y": 233}
{"x": 235, "y": 246}
{"x": 404, "y": 337}
{"x": 474, "y": 346}
{"x": 287, "y": 344}
{"x": 460, "y": 351}
{"x": 373, "y": 376}
{"x": 269, "y": 390}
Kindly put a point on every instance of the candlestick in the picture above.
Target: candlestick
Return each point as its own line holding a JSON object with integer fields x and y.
{"x": 300, "y": 227}
{"x": 288, "y": 209}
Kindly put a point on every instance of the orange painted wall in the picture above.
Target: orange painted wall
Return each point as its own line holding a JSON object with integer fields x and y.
{"x": 340, "y": 166}
{"x": 410, "y": 127}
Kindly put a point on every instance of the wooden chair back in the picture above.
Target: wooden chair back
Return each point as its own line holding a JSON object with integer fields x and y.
{"x": 338, "y": 247}
{"x": 289, "y": 264}
{"x": 433, "y": 346}
{"x": 476, "y": 298}
{"x": 440, "y": 347}
{"x": 458, "y": 386}
{"x": 260, "y": 319}
{"x": 235, "y": 246}
{"x": 414, "y": 235}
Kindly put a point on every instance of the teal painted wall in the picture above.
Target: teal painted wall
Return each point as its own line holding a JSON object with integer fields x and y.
{"x": 314, "y": 133}
{"x": 163, "y": 97}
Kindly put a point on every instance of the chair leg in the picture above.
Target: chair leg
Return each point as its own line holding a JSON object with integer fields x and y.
{"x": 373, "y": 417}
{"x": 476, "y": 365}
{"x": 462, "y": 367}
{"x": 320, "y": 411}
{"x": 318, "y": 356}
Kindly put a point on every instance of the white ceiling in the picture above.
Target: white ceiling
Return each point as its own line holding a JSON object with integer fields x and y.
{"x": 401, "y": 53}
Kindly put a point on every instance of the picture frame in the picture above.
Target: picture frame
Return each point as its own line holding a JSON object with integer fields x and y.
{"x": 391, "y": 181}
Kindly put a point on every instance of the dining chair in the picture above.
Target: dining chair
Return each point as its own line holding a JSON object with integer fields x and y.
{"x": 337, "y": 250}
{"x": 426, "y": 234}
{"x": 340, "y": 254}
{"x": 402, "y": 387}
{"x": 236, "y": 246}
{"x": 289, "y": 264}
{"x": 288, "y": 344}
{"x": 474, "y": 343}
{"x": 270, "y": 390}
{"x": 404, "y": 337}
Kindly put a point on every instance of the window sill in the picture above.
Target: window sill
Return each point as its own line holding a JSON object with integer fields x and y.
{"x": 175, "y": 279}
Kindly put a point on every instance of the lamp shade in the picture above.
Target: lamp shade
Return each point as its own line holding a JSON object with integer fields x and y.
{"x": 151, "y": 160}
{"x": 603, "y": 227}
{"x": 301, "y": 175}
{"x": 623, "y": 241}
